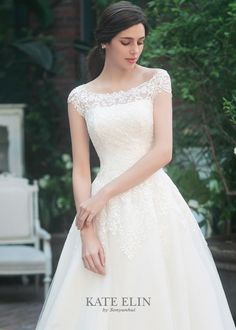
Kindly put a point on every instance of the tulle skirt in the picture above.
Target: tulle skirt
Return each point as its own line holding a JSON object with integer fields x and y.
{"x": 160, "y": 273}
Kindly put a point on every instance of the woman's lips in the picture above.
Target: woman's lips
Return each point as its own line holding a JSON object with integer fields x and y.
{"x": 130, "y": 60}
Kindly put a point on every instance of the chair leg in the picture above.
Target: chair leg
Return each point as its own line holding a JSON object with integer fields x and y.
{"x": 46, "y": 280}
{"x": 25, "y": 279}
{"x": 36, "y": 282}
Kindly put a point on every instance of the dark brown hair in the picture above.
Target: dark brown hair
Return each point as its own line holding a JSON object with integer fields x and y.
{"x": 114, "y": 19}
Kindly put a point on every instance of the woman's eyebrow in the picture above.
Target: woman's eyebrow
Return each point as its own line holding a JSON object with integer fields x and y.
{"x": 131, "y": 38}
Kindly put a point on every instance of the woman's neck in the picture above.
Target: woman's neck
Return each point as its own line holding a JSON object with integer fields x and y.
{"x": 114, "y": 73}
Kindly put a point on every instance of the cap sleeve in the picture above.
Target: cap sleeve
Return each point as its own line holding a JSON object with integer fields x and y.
{"x": 163, "y": 83}
{"x": 75, "y": 99}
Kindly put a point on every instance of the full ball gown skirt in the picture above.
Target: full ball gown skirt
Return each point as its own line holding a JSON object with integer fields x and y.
{"x": 160, "y": 273}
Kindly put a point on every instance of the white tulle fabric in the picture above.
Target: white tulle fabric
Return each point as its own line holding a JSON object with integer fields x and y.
{"x": 153, "y": 245}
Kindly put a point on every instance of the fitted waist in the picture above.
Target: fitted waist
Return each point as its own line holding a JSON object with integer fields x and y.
{"x": 108, "y": 173}
{"x": 115, "y": 168}
{"x": 119, "y": 162}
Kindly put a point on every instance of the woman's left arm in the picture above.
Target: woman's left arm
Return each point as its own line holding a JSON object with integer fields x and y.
{"x": 158, "y": 156}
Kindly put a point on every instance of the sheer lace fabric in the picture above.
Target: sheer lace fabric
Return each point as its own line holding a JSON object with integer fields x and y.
{"x": 83, "y": 99}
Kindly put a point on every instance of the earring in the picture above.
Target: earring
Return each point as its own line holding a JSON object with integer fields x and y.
{"x": 103, "y": 46}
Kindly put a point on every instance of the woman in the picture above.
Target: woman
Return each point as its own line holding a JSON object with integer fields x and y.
{"x": 134, "y": 257}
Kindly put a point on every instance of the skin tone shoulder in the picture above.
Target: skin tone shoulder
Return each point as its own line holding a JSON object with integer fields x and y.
{"x": 120, "y": 72}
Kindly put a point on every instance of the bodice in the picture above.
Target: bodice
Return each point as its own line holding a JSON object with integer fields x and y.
{"x": 120, "y": 124}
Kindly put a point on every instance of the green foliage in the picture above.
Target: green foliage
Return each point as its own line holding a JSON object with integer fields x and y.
{"x": 41, "y": 9}
{"x": 23, "y": 50}
{"x": 56, "y": 198}
{"x": 229, "y": 107}
{"x": 196, "y": 42}
{"x": 37, "y": 51}
{"x": 190, "y": 182}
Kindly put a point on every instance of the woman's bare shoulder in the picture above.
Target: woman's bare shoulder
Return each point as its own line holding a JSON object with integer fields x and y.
{"x": 149, "y": 72}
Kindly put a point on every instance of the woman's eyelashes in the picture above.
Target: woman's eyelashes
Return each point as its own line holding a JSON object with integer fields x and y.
{"x": 126, "y": 44}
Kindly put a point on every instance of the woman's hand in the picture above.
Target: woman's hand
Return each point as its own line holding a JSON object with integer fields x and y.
{"x": 90, "y": 208}
{"x": 92, "y": 251}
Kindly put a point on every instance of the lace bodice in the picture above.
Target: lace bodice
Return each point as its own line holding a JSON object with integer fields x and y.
{"x": 83, "y": 99}
{"x": 120, "y": 125}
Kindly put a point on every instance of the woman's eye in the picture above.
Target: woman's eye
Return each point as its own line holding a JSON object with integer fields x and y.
{"x": 128, "y": 44}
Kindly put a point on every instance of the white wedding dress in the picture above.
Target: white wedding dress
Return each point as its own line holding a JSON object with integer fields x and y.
{"x": 159, "y": 269}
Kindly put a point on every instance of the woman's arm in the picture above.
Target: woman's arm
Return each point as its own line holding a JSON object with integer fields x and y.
{"x": 81, "y": 177}
{"x": 92, "y": 251}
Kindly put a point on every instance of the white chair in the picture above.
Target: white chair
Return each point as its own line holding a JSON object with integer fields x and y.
{"x": 20, "y": 232}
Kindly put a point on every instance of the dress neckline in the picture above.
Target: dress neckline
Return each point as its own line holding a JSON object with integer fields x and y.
{"x": 122, "y": 91}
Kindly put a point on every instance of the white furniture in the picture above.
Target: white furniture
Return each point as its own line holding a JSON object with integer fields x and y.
{"x": 12, "y": 138}
{"x": 21, "y": 236}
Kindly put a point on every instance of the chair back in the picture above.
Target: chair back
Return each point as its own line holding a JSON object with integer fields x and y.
{"x": 17, "y": 210}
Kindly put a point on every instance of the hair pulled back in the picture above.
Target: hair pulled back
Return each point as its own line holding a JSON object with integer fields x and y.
{"x": 114, "y": 19}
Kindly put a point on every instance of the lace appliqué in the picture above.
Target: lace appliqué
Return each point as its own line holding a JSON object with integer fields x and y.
{"x": 156, "y": 204}
{"x": 130, "y": 216}
{"x": 83, "y": 99}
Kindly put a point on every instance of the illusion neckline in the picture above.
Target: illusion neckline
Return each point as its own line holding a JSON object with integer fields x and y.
{"x": 122, "y": 91}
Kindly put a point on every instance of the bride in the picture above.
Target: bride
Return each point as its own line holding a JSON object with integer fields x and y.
{"x": 134, "y": 257}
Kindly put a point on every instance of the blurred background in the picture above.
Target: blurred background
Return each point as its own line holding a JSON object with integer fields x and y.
{"x": 43, "y": 49}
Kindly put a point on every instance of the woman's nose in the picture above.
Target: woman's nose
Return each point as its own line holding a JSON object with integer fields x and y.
{"x": 134, "y": 49}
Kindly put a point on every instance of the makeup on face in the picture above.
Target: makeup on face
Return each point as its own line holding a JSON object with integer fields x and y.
{"x": 132, "y": 59}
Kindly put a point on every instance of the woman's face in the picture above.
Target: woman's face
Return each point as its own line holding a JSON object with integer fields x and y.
{"x": 126, "y": 47}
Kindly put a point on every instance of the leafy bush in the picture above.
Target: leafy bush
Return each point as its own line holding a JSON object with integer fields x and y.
{"x": 196, "y": 42}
